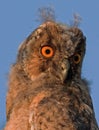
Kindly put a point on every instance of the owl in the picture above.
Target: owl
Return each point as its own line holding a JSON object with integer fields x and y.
{"x": 46, "y": 90}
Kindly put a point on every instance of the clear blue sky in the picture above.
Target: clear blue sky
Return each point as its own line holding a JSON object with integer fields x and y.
{"x": 18, "y": 19}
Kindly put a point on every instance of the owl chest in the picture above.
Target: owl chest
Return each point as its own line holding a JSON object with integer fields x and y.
{"x": 59, "y": 110}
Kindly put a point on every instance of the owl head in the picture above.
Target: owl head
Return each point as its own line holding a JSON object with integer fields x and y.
{"x": 54, "y": 51}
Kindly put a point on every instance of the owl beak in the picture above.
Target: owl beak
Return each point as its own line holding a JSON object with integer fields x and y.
{"x": 64, "y": 67}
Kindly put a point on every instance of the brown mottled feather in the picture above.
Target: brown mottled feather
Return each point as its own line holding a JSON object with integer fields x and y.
{"x": 49, "y": 94}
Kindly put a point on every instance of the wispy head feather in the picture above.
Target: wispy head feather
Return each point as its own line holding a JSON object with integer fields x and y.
{"x": 46, "y": 14}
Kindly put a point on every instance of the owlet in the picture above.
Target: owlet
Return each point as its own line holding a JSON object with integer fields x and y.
{"x": 46, "y": 91}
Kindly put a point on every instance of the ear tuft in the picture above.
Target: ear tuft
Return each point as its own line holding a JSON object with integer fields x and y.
{"x": 46, "y": 14}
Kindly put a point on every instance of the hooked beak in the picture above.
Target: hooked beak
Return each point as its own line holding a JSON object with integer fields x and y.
{"x": 64, "y": 67}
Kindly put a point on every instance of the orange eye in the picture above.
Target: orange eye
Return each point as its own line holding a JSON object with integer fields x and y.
{"x": 47, "y": 51}
{"x": 77, "y": 58}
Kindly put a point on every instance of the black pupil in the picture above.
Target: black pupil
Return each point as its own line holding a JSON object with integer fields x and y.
{"x": 76, "y": 58}
{"x": 47, "y": 51}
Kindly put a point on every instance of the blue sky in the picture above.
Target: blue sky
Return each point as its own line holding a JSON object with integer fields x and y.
{"x": 18, "y": 20}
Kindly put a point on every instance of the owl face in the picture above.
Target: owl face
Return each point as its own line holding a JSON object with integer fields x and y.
{"x": 54, "y": 51}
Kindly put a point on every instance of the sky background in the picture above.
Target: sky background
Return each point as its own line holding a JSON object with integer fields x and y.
{"x": 18, "y": 20}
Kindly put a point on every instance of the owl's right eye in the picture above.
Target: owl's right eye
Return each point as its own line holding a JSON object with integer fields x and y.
{"x": 47, "y": 51}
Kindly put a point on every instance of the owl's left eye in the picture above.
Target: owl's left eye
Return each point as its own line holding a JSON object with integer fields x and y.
{"x": 47, "y": 51}
{"x": 77, "y": 58}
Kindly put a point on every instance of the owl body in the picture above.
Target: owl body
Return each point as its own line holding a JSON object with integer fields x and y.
{"x": 46, "y": 91}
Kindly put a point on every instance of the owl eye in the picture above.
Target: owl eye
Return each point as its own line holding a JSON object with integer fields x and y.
{"x": 77, "y": 58}
{"x": 47, "y": 51}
